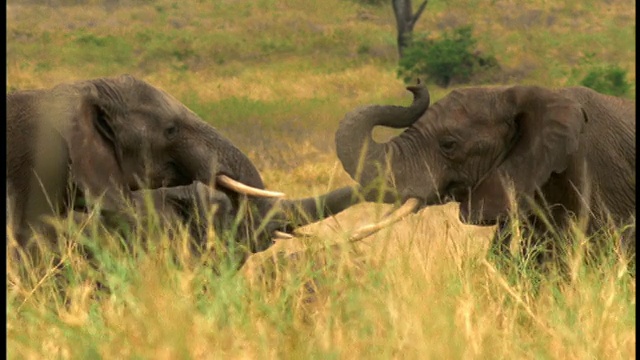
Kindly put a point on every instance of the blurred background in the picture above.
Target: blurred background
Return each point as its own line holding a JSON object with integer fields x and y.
{"x": 276, "y": 77}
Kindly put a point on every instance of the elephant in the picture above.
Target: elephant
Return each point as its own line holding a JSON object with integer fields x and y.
{"x": 104, "y": 139}
{"x": 263, "y": 217}
{"x": 500, "y": 151}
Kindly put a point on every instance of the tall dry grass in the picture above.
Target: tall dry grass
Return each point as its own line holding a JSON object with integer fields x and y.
{"x": 421, "y": 289}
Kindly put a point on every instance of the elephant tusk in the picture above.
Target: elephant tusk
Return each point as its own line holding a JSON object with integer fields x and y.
{"x": 407, "y": 208}
{"x": 281, "y": 235}
{"x": 241, "y": 188}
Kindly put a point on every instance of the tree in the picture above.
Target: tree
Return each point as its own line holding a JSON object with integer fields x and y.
{"x": 405, "y": 21}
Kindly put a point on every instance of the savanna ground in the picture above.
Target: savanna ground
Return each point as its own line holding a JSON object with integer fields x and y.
{"x": 276, "y": 77}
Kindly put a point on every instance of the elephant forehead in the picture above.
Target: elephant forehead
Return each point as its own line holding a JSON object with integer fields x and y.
{"x": 466, "y": 107}
{"x": 472, "y": 98}
{"x": 158, "y": 99}
{"x": 444, "y": 113}
{"x": 158, "y": 113}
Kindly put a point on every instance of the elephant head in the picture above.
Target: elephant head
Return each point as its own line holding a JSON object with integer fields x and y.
{"x": 469, "y": 147}
{"x": 117, "y": 136}
{"x": 129, "y": 134}
{"x": 148, "y": 139}
{"x": 109, "y": 137}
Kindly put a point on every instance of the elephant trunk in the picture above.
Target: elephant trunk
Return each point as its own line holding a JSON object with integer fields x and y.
{"x": 270, "y": 216}
{"x": 362, "y": 157}
{"x": 300, "y": 212}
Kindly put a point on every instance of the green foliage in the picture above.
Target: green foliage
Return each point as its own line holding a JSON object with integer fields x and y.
{"x": 179, "y": 50}
{"x": 610, "y": 79}
{"x": 86, "y": 47}
{"x": 451, "y": 59}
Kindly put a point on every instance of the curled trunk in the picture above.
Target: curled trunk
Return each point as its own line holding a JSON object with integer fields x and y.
{"x": 362, "y": 157}
{"x": 301, "y": 212}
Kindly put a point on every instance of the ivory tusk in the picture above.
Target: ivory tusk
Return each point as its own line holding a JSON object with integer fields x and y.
{"x": 407, "y": 208}
{"x": 280, "y": 235}
{"x": 241, "y": 188}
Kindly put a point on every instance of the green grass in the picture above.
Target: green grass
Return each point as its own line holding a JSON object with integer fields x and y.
{"x": 276, "y": 77}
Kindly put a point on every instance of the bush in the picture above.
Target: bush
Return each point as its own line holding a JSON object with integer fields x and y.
{"x": 451, "y": 59}
{"x": 607, "y": 80}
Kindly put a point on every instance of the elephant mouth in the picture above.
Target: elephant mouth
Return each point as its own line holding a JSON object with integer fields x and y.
{"x": 456, "y": 191}
{"x": 460, "y": 192}
{"x": 170, "y": 175}
{"x": 179, "y": 175}
{"x": 452, "y": 192}
{"x": 467, "y": 216}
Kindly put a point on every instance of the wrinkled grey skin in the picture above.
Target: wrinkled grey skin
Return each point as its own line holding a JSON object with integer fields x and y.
{"x": 107, "y": 138}
{"x": 572, "y": 149}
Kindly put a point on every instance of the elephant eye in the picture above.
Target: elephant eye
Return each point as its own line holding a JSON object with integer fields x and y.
{"x": 171, "y": 132}
{"x": 448, "y": 145}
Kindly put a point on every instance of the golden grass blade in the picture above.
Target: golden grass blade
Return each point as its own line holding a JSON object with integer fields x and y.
{"x": 517, "y": 298}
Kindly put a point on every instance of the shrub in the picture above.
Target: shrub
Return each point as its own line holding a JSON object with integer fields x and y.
{"x": 610, "y": 80}
{"x": 451, "y": 59}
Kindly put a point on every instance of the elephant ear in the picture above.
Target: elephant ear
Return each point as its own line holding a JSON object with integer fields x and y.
{"x": 95, "y": 158}
{"x": 548, "y": 126}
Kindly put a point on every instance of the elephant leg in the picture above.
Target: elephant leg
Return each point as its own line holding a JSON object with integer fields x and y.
{"x": 542, "y": 246}
{"x": 500, "y": 248}
{"x": 628, "y": 246}
{"x": 536, "y": 247}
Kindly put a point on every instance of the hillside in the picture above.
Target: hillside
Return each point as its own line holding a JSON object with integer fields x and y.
{"x": 286, "y": 67}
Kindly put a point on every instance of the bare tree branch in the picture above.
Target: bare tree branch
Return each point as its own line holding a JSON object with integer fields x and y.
{"x": 405, "y": 21}
{"x": 416, "y": 16}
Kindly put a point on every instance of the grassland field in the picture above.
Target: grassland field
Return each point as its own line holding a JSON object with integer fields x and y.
{"x": 276, "y": 77}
